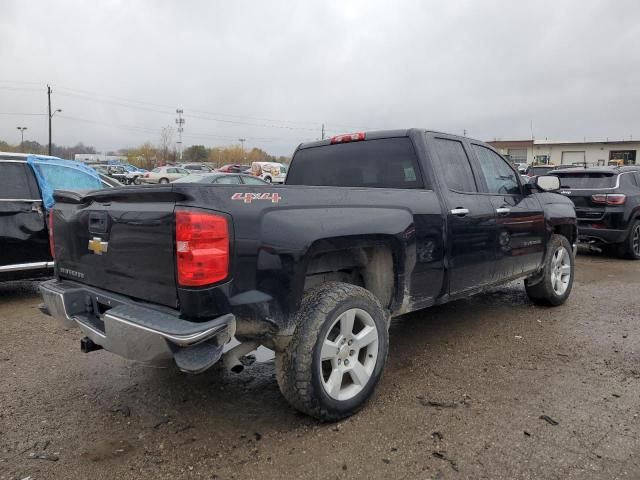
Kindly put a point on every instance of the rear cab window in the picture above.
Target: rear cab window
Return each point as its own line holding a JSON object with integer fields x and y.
{"x": 586, "y": 180}
{"x": 378, "y": 163}
{"x": 17, "y": 182}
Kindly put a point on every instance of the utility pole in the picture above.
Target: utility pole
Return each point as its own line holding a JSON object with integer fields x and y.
{"x": 22, "y": 129}
{"x": 51, "y": 114}
{"x": 323, "y": 131}
{"x": 180, "y": 121}
{"x": 49, "y": 100}
{"x": 464, "y": 132}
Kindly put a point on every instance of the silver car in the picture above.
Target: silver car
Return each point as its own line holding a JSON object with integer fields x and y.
{"x": 164, "y": 174}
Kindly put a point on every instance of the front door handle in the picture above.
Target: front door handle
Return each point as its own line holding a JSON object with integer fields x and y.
{"x": 461, "y": 212}
{"x": 503, "y": 211}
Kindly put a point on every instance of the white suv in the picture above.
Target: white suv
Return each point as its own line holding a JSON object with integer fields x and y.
{"x": 270, "y": 172}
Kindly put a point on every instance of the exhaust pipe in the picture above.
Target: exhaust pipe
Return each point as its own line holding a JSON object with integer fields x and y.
{"x": 231, "y": 359}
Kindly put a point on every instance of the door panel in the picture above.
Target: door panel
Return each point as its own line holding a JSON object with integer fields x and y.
{"x": 519, "y": 218}
{"x": 471, "y": 224}
{"x": 23, "y": 229}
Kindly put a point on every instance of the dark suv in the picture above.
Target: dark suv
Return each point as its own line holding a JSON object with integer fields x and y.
{"x": 607, "y": 201}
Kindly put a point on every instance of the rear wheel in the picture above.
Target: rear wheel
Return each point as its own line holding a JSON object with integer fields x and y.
{"x": 337, "y": 353}
{"x": 267, "y": 179}
{"x": 163, "y": 180}
{"x": 137, "y": 180}
{"x": 554, "y": 284}
{"x": 630, "y": 248}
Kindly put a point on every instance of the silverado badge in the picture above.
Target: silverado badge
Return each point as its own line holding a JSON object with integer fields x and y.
{"x": 97, "y": 246}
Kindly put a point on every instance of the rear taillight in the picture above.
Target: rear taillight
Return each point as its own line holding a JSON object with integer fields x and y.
{"x": 349, "y": 137}
{"x": 202, "y": 248}
{"x": 146, "y": 175}
{"x": 52, "y": 243}
{"x": 609, "y": 199}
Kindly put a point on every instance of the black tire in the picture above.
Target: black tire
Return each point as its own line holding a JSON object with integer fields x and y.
{"x": 267, "y": 179}
{"x": 298, "y": 367}
{"x": 163, "y": 180}
{"x": 540, "y": 289}
{"x": 630, "y": 248}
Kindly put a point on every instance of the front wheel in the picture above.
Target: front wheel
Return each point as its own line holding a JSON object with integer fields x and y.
{"x": 163, "y": 180}
{"x": 267, "y": 179}
{"x": 337, "y": 353}
{"x": 554, "y": 284}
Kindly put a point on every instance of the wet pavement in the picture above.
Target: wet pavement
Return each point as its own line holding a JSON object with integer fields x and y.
{"x": 490, "y": 387}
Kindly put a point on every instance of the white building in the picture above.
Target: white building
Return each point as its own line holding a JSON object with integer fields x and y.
{"x": 99, "y": 158}
{"x": 570, "y": 153}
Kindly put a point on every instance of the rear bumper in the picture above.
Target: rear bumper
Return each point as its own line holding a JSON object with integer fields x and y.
{"x": 135, "y": 330}
{"x": 600, "y": 235}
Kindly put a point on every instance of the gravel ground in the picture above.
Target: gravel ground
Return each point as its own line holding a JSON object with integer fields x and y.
{"x": 489, "y": 387}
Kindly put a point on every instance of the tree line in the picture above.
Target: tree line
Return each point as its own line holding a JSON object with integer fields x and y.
{"x": 149, "y": 156}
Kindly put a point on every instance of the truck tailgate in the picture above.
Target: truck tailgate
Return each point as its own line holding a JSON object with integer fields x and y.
{"x": 120, "y": 240}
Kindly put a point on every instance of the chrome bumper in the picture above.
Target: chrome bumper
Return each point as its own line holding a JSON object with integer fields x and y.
{"x": 136, "y": 331}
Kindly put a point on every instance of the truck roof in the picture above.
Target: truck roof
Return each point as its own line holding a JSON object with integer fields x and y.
{"x": 377, "y": 134}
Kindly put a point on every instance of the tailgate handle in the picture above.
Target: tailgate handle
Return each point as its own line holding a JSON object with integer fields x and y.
{"x": 98, "y": 222}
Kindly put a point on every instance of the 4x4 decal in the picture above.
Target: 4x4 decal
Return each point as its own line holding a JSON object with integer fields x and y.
{"x": 249, "y": 197}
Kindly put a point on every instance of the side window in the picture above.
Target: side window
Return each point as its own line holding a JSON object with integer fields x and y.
{"x": 15, "y": 182}
{"x": 252, "y": 181}
{"x": 172, "y": 170}
{"x": 637, "y": 174}
{"x": 628, "y": 180}
{"x": 500, "y": 177}
{"x": 455, "y": 165}
{"x": 228, "y": 180}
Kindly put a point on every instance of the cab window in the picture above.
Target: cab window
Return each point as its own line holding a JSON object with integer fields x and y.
{"x": 455, "y": 165}
{"x": 498, "y": 175}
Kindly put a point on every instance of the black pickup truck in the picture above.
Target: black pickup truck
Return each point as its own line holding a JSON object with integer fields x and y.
{"x": 367, "y": 227}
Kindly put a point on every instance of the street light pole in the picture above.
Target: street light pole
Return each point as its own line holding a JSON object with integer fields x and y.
{"x": 22, "y": 129}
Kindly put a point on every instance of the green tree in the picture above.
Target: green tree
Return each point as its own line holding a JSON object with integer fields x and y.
{"x": 196, "y": 153}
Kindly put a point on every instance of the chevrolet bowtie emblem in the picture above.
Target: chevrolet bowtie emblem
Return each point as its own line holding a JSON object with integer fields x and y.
{"x": 97, "y": 246}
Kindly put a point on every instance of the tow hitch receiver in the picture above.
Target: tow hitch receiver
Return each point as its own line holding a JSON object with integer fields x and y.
{"x": 87, "y": 345}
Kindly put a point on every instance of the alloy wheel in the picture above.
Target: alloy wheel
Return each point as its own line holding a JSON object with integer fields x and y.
{"x": 560, "y": 271}
{"x": 349, "y": 354}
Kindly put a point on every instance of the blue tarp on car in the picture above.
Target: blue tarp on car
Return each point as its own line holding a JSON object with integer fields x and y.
{"x": 54, "y": 173}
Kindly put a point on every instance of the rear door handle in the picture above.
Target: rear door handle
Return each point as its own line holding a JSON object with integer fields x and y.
{"x": 503, "y": 211}
{"x": 461, "y": 212}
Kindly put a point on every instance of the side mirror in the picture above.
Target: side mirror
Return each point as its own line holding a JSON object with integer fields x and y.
{"x": 548, "y": 183}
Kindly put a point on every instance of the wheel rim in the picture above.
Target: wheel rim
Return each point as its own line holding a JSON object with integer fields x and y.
{"x": 348, "y": 355}
{"x": 635, "y": 239}
{"x": 560, "y": 270}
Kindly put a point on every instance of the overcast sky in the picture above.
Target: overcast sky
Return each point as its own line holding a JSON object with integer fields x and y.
{"x": 273, "y": 71}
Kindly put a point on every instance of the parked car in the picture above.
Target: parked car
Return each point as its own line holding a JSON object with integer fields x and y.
{"x": 26, "y": 195}
{"x": 234, "y": 168}
{"x": 270, "y": 172}
{"x": 222, "y": 178}
{"x": 133, "y": 175}
{"x": 607, "y": 201}
{"x": 522, "y": 167}
{"x": 117, "y": 172}
{"x": 536, "y": 170}
{"x": 196, "y": 167}
{"x": 164, "y": 174}
{"x": 367, "y": 227}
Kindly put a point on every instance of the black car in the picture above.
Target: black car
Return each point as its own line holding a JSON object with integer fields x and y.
{"x": 536, "y": 170}
{"x": 368, "y": 226}
{"x": 26, "y": 187}
{"x": 607, "y": 201}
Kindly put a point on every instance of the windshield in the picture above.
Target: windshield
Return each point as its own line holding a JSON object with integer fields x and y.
{"x": 383, "y": 163}
{"x": 586, "y": 180}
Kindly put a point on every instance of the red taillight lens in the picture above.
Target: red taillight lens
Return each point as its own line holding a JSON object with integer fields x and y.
{"x": 349, "y": 137}
{"x": 609, "y": 199}
{"x": 616, "y": 199}
{"x": 202, "y": 248}
{"x": 146, "y": 175}
{"x": 52, "y": 243}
